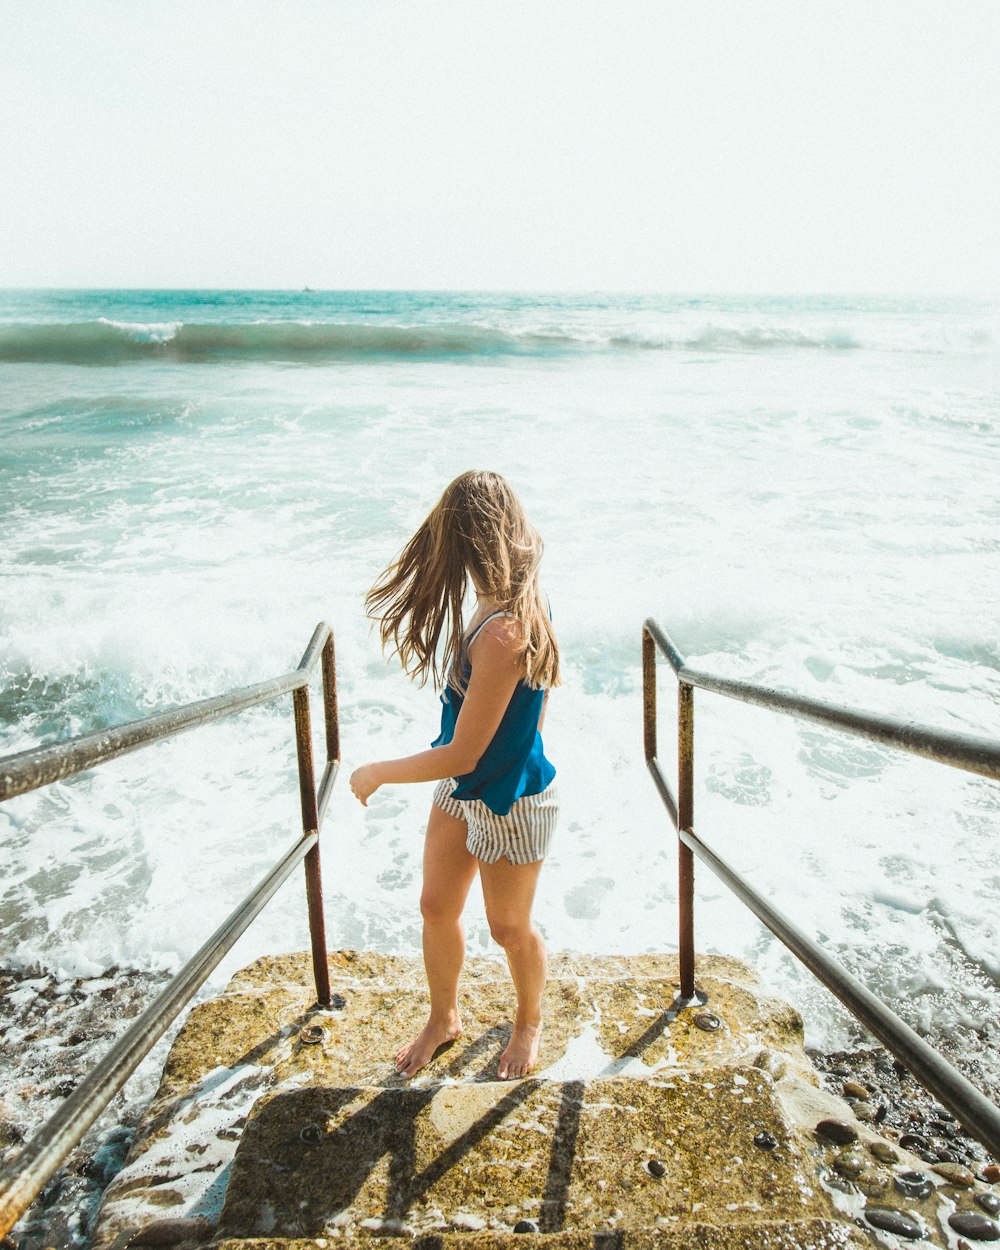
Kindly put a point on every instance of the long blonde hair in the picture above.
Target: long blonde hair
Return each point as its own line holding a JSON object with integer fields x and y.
{"x": 478, "y": 532}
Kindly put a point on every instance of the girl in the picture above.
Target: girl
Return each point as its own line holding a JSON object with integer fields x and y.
{"x": 495, "y": 806}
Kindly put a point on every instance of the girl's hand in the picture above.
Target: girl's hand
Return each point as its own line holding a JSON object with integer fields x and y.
{"x": 364, "y": 782}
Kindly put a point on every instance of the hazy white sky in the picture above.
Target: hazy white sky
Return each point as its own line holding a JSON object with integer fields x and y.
{"x": 752, "y": 145}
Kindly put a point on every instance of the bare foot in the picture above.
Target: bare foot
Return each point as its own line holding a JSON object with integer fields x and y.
{"x": 521, "y": 1053}
{"x": 418, "y": 1053}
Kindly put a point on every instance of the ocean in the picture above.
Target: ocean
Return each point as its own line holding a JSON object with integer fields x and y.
{"x": 802, "y": 490}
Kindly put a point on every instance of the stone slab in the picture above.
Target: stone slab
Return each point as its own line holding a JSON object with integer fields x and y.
{"x": 606, "y": 1017}
{"x": 765, "y": 1235}
{"x": 568, "y": 1155}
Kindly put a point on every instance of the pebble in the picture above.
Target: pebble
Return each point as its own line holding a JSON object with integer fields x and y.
{"x": 654, "y": 1167}
{"x": 312, "y": 1134}
{"x": 876, "y": 1182}
{"x": 852, "y": 1089}
{"x": 991, "y": 1173}
{"x": 955, "y": 1174}
{"x": 836, "y": 1131}
{"x": 883, "y": 1152}
{"x": 946, "y": 1156}
{"x": 525, "y": 1226}
{"x": 850, "y": 1163}
{"x": 989, "y": 1202}
{"x": 865, "y": 1111}
{"x": 893, "y": 1221}
{"x": 765, "y": 1140}
{"x": 972, "y": 1224}
{"x": 707, "y": 1020}
{"x": 913, "y": 1184}
{"x": 914, "y": 1142}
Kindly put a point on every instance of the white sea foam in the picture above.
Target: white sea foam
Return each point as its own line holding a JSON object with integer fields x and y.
{"x": 820, "y": 520}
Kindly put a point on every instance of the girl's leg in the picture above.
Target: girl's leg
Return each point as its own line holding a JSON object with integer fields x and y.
{"x": 449, "y": 871}
{"x": 509, "y": 891}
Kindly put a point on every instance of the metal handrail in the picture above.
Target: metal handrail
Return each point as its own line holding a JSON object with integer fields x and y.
{"x": 23, "y": 1178}
{"x": 973, "y": 754}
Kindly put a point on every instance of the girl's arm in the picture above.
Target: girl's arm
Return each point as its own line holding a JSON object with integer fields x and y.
{"x": 495, "y": 674}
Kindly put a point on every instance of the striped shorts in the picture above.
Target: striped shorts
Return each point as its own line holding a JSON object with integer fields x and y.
{"x": 523, "y": 835}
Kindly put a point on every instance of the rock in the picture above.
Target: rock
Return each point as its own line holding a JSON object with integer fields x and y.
{"x": 883, "y": 1152}
{"x": 990, "y": 1203}
{"x": 850, "y": 1163}
{"x": 774, "y": 1065}
{"x": 955, "y": 1174}
{"x": 991, "y": 1173}
{"x": 836, "y": 1131}
{"x": 865, "y": 1111}
{"x": 765, "y": 1140}
{"x": 525, "y": 1226}
{"x": 975, "y": 1226}
{"x": 892, "y": 1221}
{"x": 170, "y": 1232}
{"x": 655, "y": 1168}
{"x": 851, "y": 1089}
{"x": 875, "y": 1183}
{"x": 914, "y": 1142}
{"x": 946, "y": 1156}
{"x": 913, "y": 1184}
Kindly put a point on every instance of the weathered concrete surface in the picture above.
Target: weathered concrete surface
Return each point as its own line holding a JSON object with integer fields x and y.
{"x": 765, "y": 1235}
{"x": 265, "y": 1135}
{"x": 567, "y": 1155}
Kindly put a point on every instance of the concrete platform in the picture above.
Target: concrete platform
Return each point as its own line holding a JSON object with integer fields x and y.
{"x": 279, "y": 1124}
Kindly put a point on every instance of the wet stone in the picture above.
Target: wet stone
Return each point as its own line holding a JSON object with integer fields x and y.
{"x": 655, "y": 1168}
{"x": 765, "y": 1140}
{"x": 525, "y": 1226}
{"x": 990, "y": 1203}
{"x": 974, "y": 1226}
{"x": 850, "y": 1163}
{"x": 708, "y": 1021}
{"x": 170, "y": 1232}
{"x": 865, "y": 1111}
{"x": 852, "y": 1089}
{"x": 892, "y": 1221}
{"x": 836, "y": 1131}
{"x": 946, "y": 1156}
{"x": 913, "y": 1184}
{"x": 955, "y": 1174}
{"x": 991, "y": 1173}
{"x": 914, "y": 1142}
{"x": 883, "y": 1152}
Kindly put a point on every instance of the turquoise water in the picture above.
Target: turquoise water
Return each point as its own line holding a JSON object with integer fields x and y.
{"x": 803, "y": 491}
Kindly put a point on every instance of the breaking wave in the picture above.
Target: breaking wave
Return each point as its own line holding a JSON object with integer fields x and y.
{"x": 105, "y": 342}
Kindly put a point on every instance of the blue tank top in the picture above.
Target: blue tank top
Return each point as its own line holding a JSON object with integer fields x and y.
{"x": 514, "y": 763}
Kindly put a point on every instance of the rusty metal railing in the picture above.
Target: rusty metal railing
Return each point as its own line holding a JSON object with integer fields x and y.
{"x": 965, "y": 751}
{"x": 23, "y": 1178}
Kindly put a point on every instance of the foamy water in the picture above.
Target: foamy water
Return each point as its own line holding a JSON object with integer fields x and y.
{"x": 803, "y": 492}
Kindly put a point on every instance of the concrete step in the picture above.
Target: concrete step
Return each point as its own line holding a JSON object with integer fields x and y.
{"x": 277, "y": 1123}
{"x": 763, "y": 1235}
{"x": 572, "y": 1156}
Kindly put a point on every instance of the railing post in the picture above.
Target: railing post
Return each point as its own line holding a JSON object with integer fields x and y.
{"x": 331, "y": 713}
{"x": 648, "y": 695}
{"x": 310, "y": 824}
{"x": 685, "y": 820}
